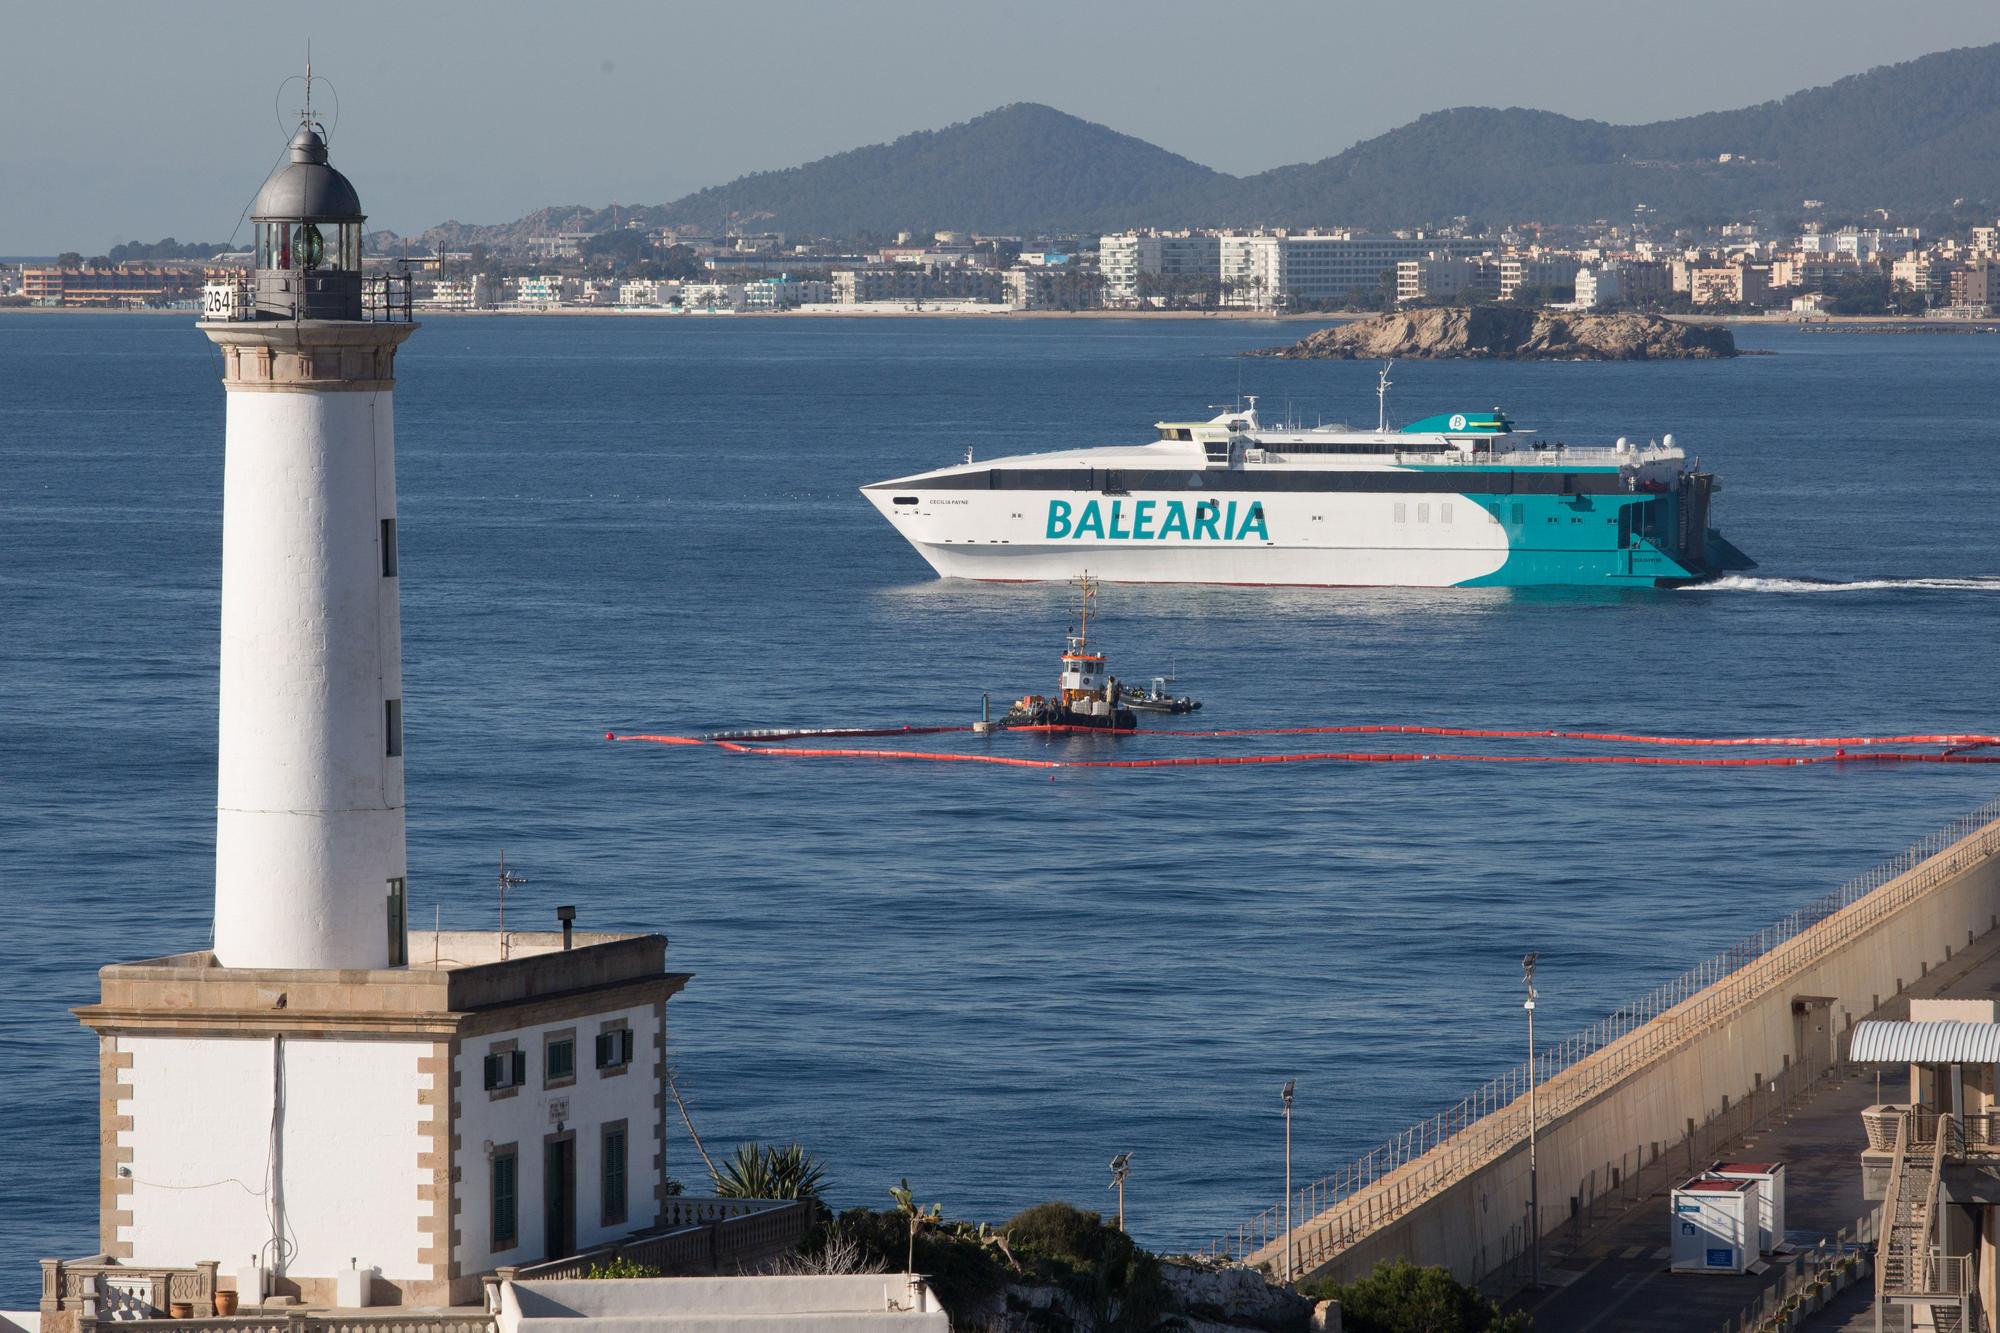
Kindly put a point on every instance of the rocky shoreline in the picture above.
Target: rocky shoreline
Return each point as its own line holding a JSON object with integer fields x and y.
{"x": 1510, "y": 333}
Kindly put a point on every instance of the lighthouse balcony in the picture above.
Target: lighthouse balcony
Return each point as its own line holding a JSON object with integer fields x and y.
{"x": 374, "y": 298}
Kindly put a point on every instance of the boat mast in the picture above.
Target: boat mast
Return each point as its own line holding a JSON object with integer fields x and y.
{"x": 1089, "y": 587}
{"x": 1382, "y": 399}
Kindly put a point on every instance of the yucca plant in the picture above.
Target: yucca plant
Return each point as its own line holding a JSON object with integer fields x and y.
{"x": 778, "y": 1172}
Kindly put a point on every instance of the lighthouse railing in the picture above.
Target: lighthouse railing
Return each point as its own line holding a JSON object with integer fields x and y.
{"x": 386, "y": 298}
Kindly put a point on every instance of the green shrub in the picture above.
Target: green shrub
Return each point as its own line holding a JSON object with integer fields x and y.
{"x": 622, "y": 1267}
{"x": 778, "y": 1172}
{"x": 1398, "y": 1297}
{"x": 1097, "y": 1264}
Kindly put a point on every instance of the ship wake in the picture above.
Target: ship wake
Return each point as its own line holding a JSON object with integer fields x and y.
{"x": 1751, "y": 583}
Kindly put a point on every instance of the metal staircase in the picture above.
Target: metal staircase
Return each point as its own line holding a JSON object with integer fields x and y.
{"x": 1911, "y": 1270}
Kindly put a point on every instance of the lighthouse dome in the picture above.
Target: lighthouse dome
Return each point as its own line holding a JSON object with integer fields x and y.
{"x": 305, "y": 187}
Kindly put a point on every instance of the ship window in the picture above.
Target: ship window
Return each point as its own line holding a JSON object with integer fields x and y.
{"x": 906, "y": 499}
{"x": 1402, "y": 512}
{"x": 388, "y": 548}
{"x": 1423, "y": 513}
{"x": 1444, "y": 513}
{"x": 1518, "y": 514}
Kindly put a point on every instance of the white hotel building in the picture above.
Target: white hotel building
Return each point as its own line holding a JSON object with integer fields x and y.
{"x": 1271, "y": 271}
{"x": 1124, "y": 260}
{"x": 1268, "y": 270}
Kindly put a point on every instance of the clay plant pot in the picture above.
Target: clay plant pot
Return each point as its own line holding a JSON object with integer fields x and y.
{"x": 180, "y": 1310}
{"x": 225, "y": 1303}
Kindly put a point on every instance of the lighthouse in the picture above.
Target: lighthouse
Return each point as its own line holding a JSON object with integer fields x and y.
{"x": 326, "y": 1107}
{"x": 309, "y": 851}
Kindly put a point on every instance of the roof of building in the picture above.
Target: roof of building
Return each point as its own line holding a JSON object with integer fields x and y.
{"x": 1934, "y": 1043}
{"x": 306, "y": 187}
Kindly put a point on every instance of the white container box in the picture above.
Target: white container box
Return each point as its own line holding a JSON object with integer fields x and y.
{"x": 354, "y": 1288}
{"x": 1714, "y": 1225}
{"x": 1770, "y": 1178}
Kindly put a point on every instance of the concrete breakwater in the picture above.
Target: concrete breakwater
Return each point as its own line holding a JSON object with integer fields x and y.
{"x": 1649, "y": 1085}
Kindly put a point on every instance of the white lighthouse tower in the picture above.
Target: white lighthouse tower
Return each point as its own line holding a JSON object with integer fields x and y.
{"x": 325, "y": 1107}
{"x": 309, "y": 858}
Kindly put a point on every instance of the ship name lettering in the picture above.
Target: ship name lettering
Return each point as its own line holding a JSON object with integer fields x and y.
{"x": 1210, "y": 521}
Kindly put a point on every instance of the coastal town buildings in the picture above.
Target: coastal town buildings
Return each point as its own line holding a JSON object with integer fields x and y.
{"x": 1729, "y": 284}
{"x": 1973, "y": 288}
{"x": 1597, "y": 288}
{"x": 1133, "y": 265}
{"x": 457, "y": 295}
{"x": 119, "y": 285}
{"x": 1443, "y": 278}
{"x": 545, "y": 290}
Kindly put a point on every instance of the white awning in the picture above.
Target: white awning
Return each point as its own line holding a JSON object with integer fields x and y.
{"x": 1926, "y": 1043}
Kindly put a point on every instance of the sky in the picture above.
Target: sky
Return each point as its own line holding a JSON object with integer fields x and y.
{"x": 481, "y": 112}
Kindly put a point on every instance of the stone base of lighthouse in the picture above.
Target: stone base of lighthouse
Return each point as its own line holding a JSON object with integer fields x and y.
{"x": 491, "y": 1104}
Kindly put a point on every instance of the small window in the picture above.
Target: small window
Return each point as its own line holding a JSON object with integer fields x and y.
{"x": 559, "y": 1061}
{"x": 614, "y": 1049}
{"x": 613, "y": 1184}
{"x": 392, "y": 726}
{"x": 506, "y": 1174}
{"x": 506, "y": 1069}
{"x": 1423, "y": 513}
{"x": 1444, "y": 513}
{"x": 1402, "y": 511}
{"x": 399, "y": 923}
{"x": 388, "y": 548}
{"x": 906, "y": 499}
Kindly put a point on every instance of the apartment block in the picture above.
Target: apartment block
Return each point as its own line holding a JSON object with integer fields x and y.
{"x": 1128, "y": 261}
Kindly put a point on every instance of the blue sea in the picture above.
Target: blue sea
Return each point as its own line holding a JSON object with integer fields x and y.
{"x": 988, "y": 980}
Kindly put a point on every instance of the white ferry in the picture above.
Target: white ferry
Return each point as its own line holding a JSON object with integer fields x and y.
{"x": 1461, "y": 499}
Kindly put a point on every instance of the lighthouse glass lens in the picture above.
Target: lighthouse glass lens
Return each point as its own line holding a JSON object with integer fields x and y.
{"x": 308, "y": 246}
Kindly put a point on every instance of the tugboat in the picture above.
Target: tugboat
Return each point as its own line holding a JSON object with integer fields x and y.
{"x": 1087, "y": 695}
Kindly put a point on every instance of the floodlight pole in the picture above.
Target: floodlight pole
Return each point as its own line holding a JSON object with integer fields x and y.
{"x": 1121, "y": 1166}
{"x": 1534, "y": 1200}
{"x": 1290, "y": 1085}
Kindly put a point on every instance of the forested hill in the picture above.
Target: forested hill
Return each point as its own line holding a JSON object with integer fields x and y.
{"x": 1920, "y": 140}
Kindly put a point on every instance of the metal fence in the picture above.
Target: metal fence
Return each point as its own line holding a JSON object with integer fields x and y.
{"x": 1810, "y": 1279}
{"x": 1386, "y": 1181}
{"x": 694, "y": 1236}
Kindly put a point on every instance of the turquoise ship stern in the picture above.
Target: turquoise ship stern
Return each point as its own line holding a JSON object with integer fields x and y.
{"x": 1636, "y": 540}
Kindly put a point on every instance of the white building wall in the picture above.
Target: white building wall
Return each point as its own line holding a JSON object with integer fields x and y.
{"x": 202, "y": 1119}
{"x": 527, "y": 1116}
{"x": 309, "y": 824}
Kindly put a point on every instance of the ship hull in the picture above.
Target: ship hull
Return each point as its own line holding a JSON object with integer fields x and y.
{"x": 1324, "y": 539}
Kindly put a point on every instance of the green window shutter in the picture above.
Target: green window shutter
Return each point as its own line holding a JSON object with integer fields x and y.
{"x": 492, "y": 1072}
{"x": 520, "y": 1070}
{"x": 625, "y": 1045}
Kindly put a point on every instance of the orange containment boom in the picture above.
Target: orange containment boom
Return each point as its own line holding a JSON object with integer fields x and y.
{"x": 1958, "y": 744}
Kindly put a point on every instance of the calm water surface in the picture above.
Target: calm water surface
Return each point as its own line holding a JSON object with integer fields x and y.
{"x": 987, "y": 980}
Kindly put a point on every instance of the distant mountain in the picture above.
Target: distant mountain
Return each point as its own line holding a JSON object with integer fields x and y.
{"x": 1913, "y": 139}
{"x": 1920, "y": 139}
{"x": 1021, "y": 168}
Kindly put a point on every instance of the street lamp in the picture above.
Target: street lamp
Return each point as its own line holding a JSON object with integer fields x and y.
{"x": 1534, "y": 1201}
{"x": 1290, "y": 1085}
{"x": 1121, "y": 1167}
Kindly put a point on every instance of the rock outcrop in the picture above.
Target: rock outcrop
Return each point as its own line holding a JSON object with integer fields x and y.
{"x": 1510, "y": 333}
